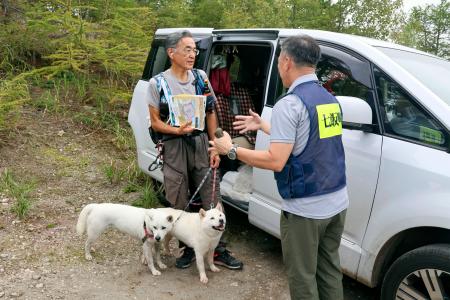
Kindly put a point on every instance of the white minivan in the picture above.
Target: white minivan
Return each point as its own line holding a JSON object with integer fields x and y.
{"x": 396, "y": 110}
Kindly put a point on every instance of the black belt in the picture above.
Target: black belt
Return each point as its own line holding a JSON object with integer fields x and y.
{"x": 195, "y": 133}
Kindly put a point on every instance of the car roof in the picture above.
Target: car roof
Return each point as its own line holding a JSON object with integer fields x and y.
{"x": 342, "y": 38}
{"x": 348, "y": 39}
{"x": 195, "y": 31}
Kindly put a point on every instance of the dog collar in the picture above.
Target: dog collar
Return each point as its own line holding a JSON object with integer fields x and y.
{"x": 147, "y": 234}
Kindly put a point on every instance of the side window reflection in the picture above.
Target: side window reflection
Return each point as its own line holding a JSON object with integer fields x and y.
{"x": 161, "y": 61}
{"x": 337, "y": 78}
{"x": 402, "y": 117}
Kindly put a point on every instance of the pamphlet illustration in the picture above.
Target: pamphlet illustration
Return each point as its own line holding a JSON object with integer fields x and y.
{"x": 184, "y": 108}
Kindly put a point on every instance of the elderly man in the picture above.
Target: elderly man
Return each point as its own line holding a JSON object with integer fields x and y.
{"x": 186, "y": 160}
{"x": 307, "y": 157}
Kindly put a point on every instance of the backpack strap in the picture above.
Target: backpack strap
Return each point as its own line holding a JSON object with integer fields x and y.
{"x": 163, "y": 88}
{"x": 199, "y": 84}
{"x": 165, "y": 94}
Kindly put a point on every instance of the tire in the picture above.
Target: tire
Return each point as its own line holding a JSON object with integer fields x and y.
{"x": 423, "y": 273}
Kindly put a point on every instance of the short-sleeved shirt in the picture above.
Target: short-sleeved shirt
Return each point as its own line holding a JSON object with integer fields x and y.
{"x": 290, "y": 125}
{"x": 177, "y": 87}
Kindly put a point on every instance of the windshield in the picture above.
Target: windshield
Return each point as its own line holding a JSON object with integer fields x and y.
{"x": 432, "y": 72}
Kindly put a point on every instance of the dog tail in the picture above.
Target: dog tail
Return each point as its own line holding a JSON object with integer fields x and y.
{"x": 81, "y": 224}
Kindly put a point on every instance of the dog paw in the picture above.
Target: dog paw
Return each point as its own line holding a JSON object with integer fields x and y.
{"x": 162, "y": 266}
{"x": 156, "y": 272}
{"x": 203, "y": 278}
{"x": 215, "y": 269}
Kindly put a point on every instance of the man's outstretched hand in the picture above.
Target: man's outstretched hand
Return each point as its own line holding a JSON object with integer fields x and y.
{"x": 247, "y": 123}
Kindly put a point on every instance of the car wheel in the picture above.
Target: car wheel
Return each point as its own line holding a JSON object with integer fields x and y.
{"x": 423, "y": 273}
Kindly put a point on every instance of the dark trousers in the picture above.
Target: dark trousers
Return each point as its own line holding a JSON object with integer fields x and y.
{"x": 310, "y": 254}
{"x": 186, "y": 161}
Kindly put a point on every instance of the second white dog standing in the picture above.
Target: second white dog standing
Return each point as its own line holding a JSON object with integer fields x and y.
{"x": 200, "y": 231}
{"x": 95, "y": 218}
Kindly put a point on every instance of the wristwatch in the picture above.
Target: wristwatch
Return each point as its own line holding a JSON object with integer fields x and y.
{"x": 232, "y": 154}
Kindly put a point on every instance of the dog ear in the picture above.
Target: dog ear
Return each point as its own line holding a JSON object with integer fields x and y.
{"x": 170, "y": 218}
{"x": 202, "y": 213}
{"x": 150, "y": 214}
{"x": 219, "y": 206}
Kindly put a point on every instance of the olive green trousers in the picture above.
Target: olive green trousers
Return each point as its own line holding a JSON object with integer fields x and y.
{"x": 310, "y": 254}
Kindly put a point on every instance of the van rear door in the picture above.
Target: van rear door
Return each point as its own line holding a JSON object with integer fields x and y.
{"x": 249, "y": 55}
{"x": 157, "y": 61}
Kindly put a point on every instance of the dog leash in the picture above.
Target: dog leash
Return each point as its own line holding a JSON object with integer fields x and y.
{"x": 199, "y": 187}
{"x": 218, "y": 133}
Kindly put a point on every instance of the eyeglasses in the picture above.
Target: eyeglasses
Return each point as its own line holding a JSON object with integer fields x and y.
{"x": 188, "y": 50}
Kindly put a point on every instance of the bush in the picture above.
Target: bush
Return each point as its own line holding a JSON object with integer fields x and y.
{"x": 18, "y": 191}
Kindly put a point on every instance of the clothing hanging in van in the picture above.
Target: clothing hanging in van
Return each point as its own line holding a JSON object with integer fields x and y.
{"x": 220, "y": 81}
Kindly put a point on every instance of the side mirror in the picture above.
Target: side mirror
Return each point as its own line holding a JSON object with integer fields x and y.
{"x": 356, "y": 113}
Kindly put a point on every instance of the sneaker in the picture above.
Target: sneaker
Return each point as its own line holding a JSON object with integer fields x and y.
{"x": 224, "y": 258}
{"x": 186, "y": 259}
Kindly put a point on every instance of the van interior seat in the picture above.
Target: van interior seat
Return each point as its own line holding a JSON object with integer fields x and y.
{"x": 238, "y": 103}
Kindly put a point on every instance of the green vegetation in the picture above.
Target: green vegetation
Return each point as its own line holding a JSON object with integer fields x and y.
{"x": 113, "y": 173}
{"x": 51, "y": 225}
{"x": 13, "y": 94}
{"x": 18, "y": 191}
{"x": 149, "y": 196}
{"x": 63, "y": 55}
{"x": 428, "y": 29}
{"x": 136, "y": 181}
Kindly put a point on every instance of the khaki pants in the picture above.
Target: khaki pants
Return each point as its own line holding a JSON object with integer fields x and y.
{"x": 186, "y": 161}
{"x": 310, "y": 254}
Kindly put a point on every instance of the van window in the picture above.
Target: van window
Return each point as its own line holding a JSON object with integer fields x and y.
{"x": 342, "y": 74}
{"x": 336, "y": 76}
{"x": 157, "y": 60}
{"x": 403, "y": 117}
{"x": 161, "y": 62}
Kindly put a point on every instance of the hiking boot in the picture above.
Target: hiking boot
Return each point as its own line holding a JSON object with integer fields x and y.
{"x": 224, "y": 258}
{"x": 186, "y": 259}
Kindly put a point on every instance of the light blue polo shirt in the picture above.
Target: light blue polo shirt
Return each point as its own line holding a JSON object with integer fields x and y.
{"x": 290, "y": 125}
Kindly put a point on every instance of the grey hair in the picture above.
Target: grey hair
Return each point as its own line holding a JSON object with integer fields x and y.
{"x": 303, "y": 49}
{"x": 173, "y": 38}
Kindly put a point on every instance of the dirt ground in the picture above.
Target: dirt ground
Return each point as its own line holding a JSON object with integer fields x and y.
{"x": 41, "y": 257}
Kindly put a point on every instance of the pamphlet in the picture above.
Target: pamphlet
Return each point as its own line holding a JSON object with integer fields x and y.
{"x": 184, "y": 108}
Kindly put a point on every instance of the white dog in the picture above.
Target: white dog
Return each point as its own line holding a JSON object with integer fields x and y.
{"x": 148, "y": 225}
{"x": 200, "y": 231}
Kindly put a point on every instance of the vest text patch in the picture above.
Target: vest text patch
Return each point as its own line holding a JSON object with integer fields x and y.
{"x": 330, "y": 120}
